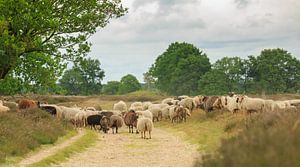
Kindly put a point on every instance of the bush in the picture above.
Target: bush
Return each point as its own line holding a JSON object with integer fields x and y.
{"x": 22, "y": 132}
{"x": 268, "y": 139}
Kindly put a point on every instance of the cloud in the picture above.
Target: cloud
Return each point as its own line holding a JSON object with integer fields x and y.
{"x": 131, "y": 43}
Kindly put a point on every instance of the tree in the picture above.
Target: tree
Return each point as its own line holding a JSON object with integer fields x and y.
{"x": 178, "y": 70}
{"x": 128, "y": 84}
{"x": 213, "y": 83}
{"x": 149, "y": 81}
{"x": 56, "y": 28}
{"x": 84, "y": 78}
{"x": 233, "y": 68}
{"x": 72, "y": 81}
{"x": 111, "y": 88}
{"x": 275, "y": 71}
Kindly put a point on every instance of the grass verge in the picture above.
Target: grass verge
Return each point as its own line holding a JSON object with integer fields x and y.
{"x": 80, "y": 145}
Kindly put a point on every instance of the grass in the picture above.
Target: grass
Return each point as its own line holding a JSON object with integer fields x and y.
{"x": 204, "y": 130}
{"x": 80, "y": 145}
{"x": 23, "y": 132}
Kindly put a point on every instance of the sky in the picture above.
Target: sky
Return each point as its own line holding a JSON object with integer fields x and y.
{"x": 130, "y": 44}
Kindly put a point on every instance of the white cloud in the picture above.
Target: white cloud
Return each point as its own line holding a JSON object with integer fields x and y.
{"x": 221, "y": 28}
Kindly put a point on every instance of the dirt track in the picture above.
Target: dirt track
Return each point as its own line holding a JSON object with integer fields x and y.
{"x": 126, "y": 149}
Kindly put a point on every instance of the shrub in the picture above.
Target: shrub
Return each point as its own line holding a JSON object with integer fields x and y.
{"x": 268, "y": 139}
{"x": 22, "y": 132}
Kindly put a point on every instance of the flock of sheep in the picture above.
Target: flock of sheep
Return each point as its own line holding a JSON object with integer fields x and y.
{"x": 141, "y": 115}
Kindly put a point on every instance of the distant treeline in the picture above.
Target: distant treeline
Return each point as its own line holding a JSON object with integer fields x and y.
{"x": 181, "y": 69}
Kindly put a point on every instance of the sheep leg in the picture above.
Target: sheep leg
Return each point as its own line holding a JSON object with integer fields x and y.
{"x": 117, "y": 129}
{"x": 149, "y": 134}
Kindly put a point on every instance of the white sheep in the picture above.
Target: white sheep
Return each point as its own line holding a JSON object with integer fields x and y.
{"x": 250, "y": 104}
{"x": 167, "y": 101}
{"x": 69, "y": 113}
{"x": 156, "y": 113}
{"x": 144, "y": 125}
{"x": 136, "y": 106}
{"x": 165, "y": 112}
{"x": 121, "y": 106}
{"x": 146, "y": 114}
{"x": 230, "y": 103}
{"x": 80, "y": 119}
{"x": 91, "y": 108}
{"x": 146, "y": 105}
{"x": 187, "y": 103}
{"x": 3, "y": 109}
{"x": 269, "y": 106}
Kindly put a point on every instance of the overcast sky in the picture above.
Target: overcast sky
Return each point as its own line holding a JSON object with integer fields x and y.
{"x": 130, "y": 44}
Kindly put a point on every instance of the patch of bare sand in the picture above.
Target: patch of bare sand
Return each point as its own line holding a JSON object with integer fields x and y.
{"x": 36, "y": 157}
{"x": 124, "y": 149}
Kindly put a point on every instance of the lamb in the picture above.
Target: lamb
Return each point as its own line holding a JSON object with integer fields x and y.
{"x": 136, "y": 106}
{"x": 176, "y": 113}
{"x": 121, "y": 106}
{"x": 115, "y": 122}
{"x": 130, "y": 120}
{"x": 187, "y": 103}
{"x": 146, "y": 105}
{"x": 144, "y": 125}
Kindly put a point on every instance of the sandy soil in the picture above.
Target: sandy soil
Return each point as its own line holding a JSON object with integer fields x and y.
{"x": 49, "y": 151}
{"x": 124, "y": 149}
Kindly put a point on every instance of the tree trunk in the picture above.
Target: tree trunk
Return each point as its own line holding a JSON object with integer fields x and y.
{"x": 4, "y": 71}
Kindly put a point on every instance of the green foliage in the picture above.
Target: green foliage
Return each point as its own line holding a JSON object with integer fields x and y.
{"x": 84, "y": 78}
{"x": 268, "y": 139}
{"x": 23, "y": 132}
{"x": 111, "y": 88}
{"x": 57, "y": 28}
{"x": 214, "y": 82}
{"x": 275, "y": 70}
{"x": 178, "y": 70}
{"x": 128, "y": 84}
{"x": 149, "y": 81}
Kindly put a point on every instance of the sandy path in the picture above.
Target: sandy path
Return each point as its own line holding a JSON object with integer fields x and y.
{"x": 124, "y": 149}
{"x": 49, "y": 151}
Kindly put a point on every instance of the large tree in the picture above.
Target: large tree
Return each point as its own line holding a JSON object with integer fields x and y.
{"x": 111, "y": 88}
{"x": 84, "y": 78}
{"x": 178, "y": 70}
{"x": 275, "y": 70}
{"x": 56, "y": 28}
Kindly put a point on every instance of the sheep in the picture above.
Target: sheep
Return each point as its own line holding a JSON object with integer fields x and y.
{"x": 91, "y": 108}
{"x": 176, "y": 113}
{"x": 187, "y": 103}
{"x": 26, "y": 103}
{"x": 80, "y": 119}
{"x": 115, "y": 122}
{"x": 104, "y": 123}
{"x": 167, "y": 101}
{"x": 144, "y": 125}
{"x": 69, "y": 113}
{"x": 146, "y": 105}
{"x": 229, "y": 103}
{"x": 156, "y": 113}
{"x": 136, "y": 106}
{"x": 121, "y": 106}
{"x": 211, "y": 103}
{"x": 181, "y": 97}
{"x": 165, "y": 112}
{"x": 94, "y": 120}
{"x": 3, "y": 109}
{"x": 250, "y": 104}
{"x": 147, "y": 114}
{"x": 197, "y": 101}
{"x": 295, "y": 102}
{"x": 269, "y": 106}
{"x": 130, "y": 120}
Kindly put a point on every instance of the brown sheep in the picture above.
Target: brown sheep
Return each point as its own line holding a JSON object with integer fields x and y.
{"x": 115, "y": 122}
{"x": 211, "y": 102}
{"x": 130, "y": 120}
{"x": 26, "y": 104}
{"x": 104, "y": 123}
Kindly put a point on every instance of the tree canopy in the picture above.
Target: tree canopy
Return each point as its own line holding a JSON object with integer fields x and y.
{"x": 55, "y": 28}
{"x": 128, "y": 84}
{"x": 178, "y": 70}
